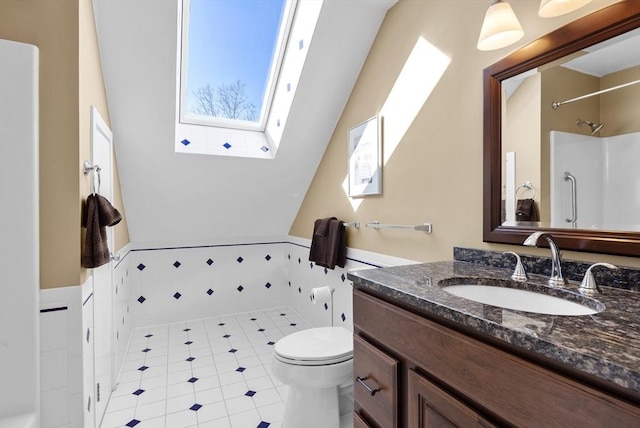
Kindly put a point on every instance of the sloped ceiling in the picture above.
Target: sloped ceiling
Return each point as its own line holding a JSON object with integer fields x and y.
{"x": 175, "y": 199}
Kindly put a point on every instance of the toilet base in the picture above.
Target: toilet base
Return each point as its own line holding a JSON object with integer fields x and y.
{"x": 311, "y": 407}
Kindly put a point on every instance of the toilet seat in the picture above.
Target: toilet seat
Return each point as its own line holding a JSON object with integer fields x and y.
{"x": 316, "y": 347}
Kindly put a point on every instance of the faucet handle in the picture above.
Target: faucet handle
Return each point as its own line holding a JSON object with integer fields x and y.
{"x": 589, "y": 284}
{"x": 518, "y": 274}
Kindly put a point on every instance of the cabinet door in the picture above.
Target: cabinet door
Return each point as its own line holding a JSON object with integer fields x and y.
{"x": 375, "y": 386}
{"x": 430, "y": 406}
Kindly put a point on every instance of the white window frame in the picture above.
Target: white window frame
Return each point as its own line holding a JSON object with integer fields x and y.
{"x": 276, "y": 65}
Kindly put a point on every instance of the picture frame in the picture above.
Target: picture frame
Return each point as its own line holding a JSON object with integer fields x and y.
{"x": 365, "y": 158}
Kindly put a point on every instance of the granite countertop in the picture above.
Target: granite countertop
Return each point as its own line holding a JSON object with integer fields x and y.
{"x": 605, "y": 345}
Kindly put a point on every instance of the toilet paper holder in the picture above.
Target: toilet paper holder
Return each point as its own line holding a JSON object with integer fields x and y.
{"x": 321, "y": 292}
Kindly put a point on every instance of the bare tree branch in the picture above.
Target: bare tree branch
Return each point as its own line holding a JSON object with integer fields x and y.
{"x": 227, "y": 101}
{"x": 205, "y": 97}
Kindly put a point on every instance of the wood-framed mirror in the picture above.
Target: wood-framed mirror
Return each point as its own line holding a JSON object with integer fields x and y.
{"x": 568, "y": 41}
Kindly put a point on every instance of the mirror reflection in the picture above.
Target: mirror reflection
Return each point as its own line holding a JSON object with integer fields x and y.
{"x": 571, "y": 140}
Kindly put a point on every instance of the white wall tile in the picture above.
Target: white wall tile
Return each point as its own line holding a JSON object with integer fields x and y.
{"x": 53, "y": 331}
{"x": 156, "y": 278}
{"x": 233, "y": 268}
{"x": 54, "y": 407}
{"x": 61, "y": 368}
{"x": 76, "y": 418}
{"x": 305, "y": 275}
{"x": 53, "y": 366}
{"x": 87, "y": 364}
{"x": 123, "y": 303}
{"x": 75, "y": 374}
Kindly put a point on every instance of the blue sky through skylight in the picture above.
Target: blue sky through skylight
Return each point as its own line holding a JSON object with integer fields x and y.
{"x": 229, "y": 41}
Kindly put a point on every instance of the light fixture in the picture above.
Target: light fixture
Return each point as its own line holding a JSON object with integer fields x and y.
{"x": 500, "y": 27}
{"x": 552, "y": 8}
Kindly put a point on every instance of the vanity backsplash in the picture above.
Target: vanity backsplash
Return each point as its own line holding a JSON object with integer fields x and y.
{"x": 624, "y": 277}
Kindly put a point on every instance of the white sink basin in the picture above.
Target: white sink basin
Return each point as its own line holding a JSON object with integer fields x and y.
{"x": 522, "y": 300}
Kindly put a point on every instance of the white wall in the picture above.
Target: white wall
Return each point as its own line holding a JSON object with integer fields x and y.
{"x": 621, "y": 201}
{"x": 19, "y": 232}
{"x": 180, "y": 199}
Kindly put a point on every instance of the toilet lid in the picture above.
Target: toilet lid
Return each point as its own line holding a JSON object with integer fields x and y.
{"x": 323, "y": 345}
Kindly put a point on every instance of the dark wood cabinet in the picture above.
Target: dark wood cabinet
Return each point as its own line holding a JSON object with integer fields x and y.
{"x": 358, "y": 422}
{"x": 431, "y": 406}
{"x": 447, "y": 378}
{"x": 376, "y": 383}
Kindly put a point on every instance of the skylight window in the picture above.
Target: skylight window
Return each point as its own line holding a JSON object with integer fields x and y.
{"x": 231, "y": 55}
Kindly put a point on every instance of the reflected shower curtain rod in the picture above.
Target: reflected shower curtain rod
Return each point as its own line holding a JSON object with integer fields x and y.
{"x": 557, "y": 104}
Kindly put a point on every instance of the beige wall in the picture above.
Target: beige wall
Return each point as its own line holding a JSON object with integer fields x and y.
{"x": 435, "y": 172}
{"x": 62, "y": 30}
{"x": 92, "y": 93}
{"x": 521, "y": 134}
{"x": 561, "y": 84}
{"x": 620, "y": 109}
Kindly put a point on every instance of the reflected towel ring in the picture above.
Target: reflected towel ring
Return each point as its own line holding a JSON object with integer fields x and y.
{"x": 527, "y": 185}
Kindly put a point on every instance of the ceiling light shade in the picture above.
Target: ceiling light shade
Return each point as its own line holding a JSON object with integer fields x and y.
{"x": 551, "y": 8}
{"x": 500, "y": 27}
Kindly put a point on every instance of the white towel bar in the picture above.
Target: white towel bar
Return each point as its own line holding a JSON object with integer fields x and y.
{"x": 425, "y": 227}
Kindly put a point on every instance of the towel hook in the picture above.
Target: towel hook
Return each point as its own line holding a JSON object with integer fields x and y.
{"x": 88, "y": 168}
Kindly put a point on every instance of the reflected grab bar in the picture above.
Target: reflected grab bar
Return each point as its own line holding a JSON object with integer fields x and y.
{"x": 574, "y": 208}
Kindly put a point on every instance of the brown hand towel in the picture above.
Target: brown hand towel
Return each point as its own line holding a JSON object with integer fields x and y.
{"x": 98, "y": 214}
{"x": 526, "y": 210}
{"x": 109, "y": 215}
{"x": 321, "y": 226}
{"x": 328, "y": 250}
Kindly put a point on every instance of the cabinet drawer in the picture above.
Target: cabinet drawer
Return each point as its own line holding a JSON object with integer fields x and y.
{"x": 358, "y": 422}
{"x": 430, "y": 406}
{"x": 502, "y": 384}
{"x": 375, "y": 387}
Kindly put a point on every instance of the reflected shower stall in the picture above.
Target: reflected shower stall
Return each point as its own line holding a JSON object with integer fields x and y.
{"x": 595, "y": 182}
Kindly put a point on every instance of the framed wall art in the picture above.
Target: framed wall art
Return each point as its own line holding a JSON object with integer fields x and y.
{"x": 365, "y": 158}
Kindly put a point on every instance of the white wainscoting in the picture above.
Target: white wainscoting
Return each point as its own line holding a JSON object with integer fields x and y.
{"x": 180, "y": 284}
{"x": 123, "y": 307}
{"x": 160, "y": 286}
{"x": 304, "y": 275}
{"x": 61, "y": 356}
{"x": 191, "y": 283}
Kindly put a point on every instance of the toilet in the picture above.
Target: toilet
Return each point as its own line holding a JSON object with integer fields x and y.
{"x": 317, "y": 366}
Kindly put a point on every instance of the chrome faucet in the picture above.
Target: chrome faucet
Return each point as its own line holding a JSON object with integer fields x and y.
{"x": 556, "y": 279}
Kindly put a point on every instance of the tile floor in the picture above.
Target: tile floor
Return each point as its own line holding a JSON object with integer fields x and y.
{"x": 206, "y": 373}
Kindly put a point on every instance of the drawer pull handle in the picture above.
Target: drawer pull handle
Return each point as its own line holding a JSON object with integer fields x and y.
{"x": 367, "y": 387}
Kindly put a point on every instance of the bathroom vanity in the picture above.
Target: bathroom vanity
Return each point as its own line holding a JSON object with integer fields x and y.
{"x": 424, "y": 357}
